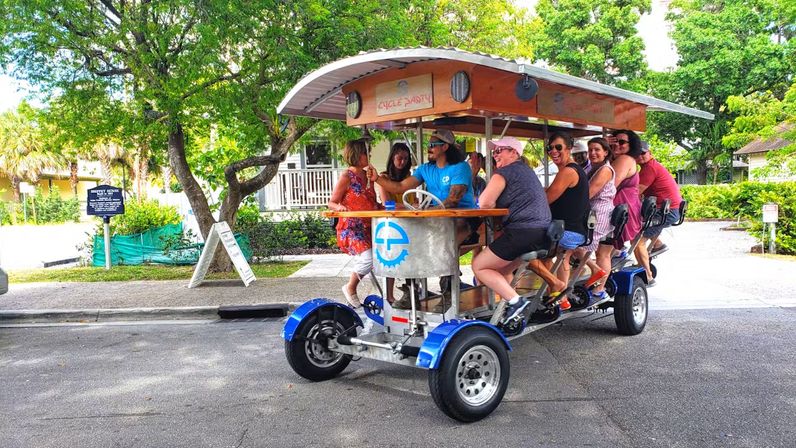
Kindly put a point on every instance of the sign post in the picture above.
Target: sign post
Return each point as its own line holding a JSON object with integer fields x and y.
{"x": 220, "y": 232}
{"x": 105, "y": 201}
{"x": 771, "y": 217}
{"x": 26, "y": 189}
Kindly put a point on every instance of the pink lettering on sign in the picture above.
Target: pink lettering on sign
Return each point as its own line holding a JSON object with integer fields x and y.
{"x": 404, "y": 95}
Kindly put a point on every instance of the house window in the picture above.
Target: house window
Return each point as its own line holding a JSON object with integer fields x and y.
{"x": 319, "y": 154}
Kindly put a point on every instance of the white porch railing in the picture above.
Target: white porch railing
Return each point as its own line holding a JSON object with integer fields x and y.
{"x": 299, "y": 189}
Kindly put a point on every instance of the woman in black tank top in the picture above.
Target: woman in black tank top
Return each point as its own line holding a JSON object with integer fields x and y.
{"x": 568, "y": 197}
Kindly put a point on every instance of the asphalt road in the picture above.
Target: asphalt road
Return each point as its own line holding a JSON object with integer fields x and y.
{"x": 693, "y": 378}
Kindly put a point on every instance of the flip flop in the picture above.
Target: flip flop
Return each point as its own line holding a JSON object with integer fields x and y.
{"x": 352, "y": 299}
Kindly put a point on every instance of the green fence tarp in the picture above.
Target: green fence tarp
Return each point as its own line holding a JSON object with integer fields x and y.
{"x": 147, "y": 248}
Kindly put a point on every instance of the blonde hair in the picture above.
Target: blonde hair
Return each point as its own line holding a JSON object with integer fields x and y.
{"x": 353, "y": 150}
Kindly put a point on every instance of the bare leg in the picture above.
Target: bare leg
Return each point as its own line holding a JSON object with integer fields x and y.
{"x": 643, "y": 257}
{"x": 603, "y": 262}
{"x": 540, "y": 268}
{"x": 353, "y": 282}
{"x": 489, "y": 270}
{"x": 564, "y": 271}
{"x": 390, "y": 287}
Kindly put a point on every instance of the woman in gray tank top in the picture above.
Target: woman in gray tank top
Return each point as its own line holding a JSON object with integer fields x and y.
{"x": 516, "y": 187}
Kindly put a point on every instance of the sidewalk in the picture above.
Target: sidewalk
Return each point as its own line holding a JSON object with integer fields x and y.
{"x": 705, "y": 268}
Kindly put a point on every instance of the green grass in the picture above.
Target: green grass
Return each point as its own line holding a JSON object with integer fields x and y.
{"x": 144, "y": 272}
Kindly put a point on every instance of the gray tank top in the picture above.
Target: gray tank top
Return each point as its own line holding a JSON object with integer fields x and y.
{"x": 524, "y": 197}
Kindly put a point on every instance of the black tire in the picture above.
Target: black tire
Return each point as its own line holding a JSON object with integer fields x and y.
{"x": 472, "y": 376}
{"x": 579, "y": 298}
{"x": 308, "y": 354}
{"x": 654, "y": 270}
{"x": 631, "y": 310}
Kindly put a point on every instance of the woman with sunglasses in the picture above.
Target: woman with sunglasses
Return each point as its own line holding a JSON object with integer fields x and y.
{"x": 626, "y": 146}
{"x": 515, "y": 186}
{"x": 568, "y": 197}
{"x": 601, "y": 198}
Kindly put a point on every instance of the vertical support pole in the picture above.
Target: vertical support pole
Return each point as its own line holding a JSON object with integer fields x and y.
{"x": 24, "y": 208}
{"x": 419, "y": 136}
{"x": 772, "y": 238}
{"x": 545, "y": 157}
{"x": 488, "y": 169}
{"x": 107, "y": 229}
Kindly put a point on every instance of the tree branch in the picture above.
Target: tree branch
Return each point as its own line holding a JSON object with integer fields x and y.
{"x": 207, "y": 84}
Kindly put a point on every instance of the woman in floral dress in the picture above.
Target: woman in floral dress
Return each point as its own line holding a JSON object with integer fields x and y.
{"x": 353, "y": 192}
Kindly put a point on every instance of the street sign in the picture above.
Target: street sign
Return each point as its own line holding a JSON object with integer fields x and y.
{"x": 770, "y": 212}
{"x": 105, "y": 201}
{"x": 26, "y": 188}
{"x": 220, "y": 231}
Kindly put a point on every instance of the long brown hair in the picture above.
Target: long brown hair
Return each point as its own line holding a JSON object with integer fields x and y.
{"x": 606, "y": 146}
{"x": 393, "y": 172}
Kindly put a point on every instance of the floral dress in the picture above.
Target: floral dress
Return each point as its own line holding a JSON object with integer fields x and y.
{"x": 353, "y": 234}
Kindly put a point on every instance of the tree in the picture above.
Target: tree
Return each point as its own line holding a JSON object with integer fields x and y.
{"x": 592, "y": 39}
{"x": 726, "y": 48}
{"x": 24, "y": 153}
{"x": 762, "y": 115}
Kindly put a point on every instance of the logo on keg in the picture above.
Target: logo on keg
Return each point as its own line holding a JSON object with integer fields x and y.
{"x": 391, "y": 241}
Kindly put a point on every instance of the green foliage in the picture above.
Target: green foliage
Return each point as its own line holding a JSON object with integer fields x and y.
{"x": 726, "y": 48}
{"x": 669, "y": 155}
{"x": 593, "y": 39}
{"x": 6, "y": 213}
{"x": 745, "y": 201}
{"x": 140, "y": 216}
{"x": 301, "y": 233}
{"x": 248, "y": 217}
{"x": 54, "y": 209}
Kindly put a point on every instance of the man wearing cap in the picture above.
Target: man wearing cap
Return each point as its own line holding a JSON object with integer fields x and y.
{"x": 446, "y": 175}
{"x": 581, "y": 156}
{"x": 655, "y": 180}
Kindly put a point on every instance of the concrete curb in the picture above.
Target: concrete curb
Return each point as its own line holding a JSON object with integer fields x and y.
{"x": 125, "y": 314}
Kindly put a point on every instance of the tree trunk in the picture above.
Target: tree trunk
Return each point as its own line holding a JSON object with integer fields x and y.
{"x": 73, "y": 180}
{"x": 141, "y": 169}
{"x": 106, "y": 163}
{"x": 193, "y": 191}
{"x": 701, "y": 174}
{"x": 15, "y": 187}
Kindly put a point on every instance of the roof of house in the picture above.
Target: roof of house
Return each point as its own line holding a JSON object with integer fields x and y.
{"x": 319, "y": 93}
{"x": 764, "y": 145}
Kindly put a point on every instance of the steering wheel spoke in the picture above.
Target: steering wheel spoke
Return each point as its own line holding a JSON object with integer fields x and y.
{"x": 425, "y": 199}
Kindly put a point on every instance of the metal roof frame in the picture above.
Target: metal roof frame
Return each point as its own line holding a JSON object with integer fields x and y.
{"x": 319, "y": 93}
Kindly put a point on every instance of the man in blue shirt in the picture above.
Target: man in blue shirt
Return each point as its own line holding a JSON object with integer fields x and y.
{"x": 447, "y": 176}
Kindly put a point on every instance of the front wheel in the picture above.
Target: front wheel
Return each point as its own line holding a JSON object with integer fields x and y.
{"x": 630, "y": 310}
{"x": 308, "y": 352}
{"x": 472, "y": 377}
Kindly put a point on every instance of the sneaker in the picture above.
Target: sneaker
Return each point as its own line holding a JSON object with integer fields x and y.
{"x": 352, "y": 299}
{"x": 599, "y": 296}
{"x": 659, "y": 250}
{"x": 516, "y": 309}
{"x": 651, "y": 283}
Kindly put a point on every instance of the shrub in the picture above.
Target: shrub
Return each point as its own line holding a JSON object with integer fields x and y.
{"x": 140, "y": 216}
{"x": 745, "y": 201}
{"x": 41, "y": 210}
{"x": 307, "y": 233}
{"x": 6, "y": 210}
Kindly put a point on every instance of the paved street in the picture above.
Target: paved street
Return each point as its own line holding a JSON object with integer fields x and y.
{"x": 693, "y": 378}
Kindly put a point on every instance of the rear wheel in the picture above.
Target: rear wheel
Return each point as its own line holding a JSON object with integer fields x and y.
{"x": 630, "y": 310}
{"x": 308, "y": 353}
{"x": 473, "y": 375}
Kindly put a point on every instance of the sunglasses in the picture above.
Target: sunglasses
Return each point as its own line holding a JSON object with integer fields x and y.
{"x": 500, "y": 149}
{"x": 559, "y": 147}
{"x": 622, "y": 142}
{"x": 433, "y": 144}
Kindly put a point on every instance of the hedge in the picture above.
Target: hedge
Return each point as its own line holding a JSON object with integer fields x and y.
{"x": 744, "y": 201}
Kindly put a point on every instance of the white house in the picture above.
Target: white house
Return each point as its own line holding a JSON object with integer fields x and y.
{"x": 757, "y": 150}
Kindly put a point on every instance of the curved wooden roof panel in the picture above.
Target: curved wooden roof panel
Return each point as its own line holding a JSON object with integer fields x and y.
{"x": 374, "y": 76}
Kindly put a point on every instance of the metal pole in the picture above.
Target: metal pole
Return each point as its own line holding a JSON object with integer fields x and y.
{"x": 107, "y": 228}
{"x": 545, "y": 158}
{"x": 24, "y": 208}
{"x": 772, "y": 247}
{"x": 488, "y": 157}
{"x": 419, "y": 136}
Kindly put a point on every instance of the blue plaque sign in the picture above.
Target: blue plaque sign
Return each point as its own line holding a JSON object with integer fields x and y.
{"x": 105, "y": 201}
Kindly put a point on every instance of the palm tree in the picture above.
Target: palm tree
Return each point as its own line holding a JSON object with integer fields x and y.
{"x": 24, "y": 154}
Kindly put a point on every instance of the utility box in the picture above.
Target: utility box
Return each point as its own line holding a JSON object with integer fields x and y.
{"x": 3, "y": 281}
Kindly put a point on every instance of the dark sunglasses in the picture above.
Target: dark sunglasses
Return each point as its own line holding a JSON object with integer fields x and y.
{"x": 433, "y": 144}
{"x": 559, "y": 147}
{"x": 622, "y": 142}
{"x": 500, "y": 149}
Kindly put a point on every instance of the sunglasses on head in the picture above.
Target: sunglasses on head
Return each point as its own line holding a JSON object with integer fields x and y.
{"x": 559, "y": 147}
{"x": 497, "y": 150}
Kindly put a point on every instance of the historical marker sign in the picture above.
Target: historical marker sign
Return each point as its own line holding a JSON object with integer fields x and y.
{"x": 105, "y": 201}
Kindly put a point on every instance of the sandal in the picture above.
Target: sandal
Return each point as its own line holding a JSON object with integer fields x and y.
{"x": 558, "y": 299}
{"x": 352, "y": 299}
